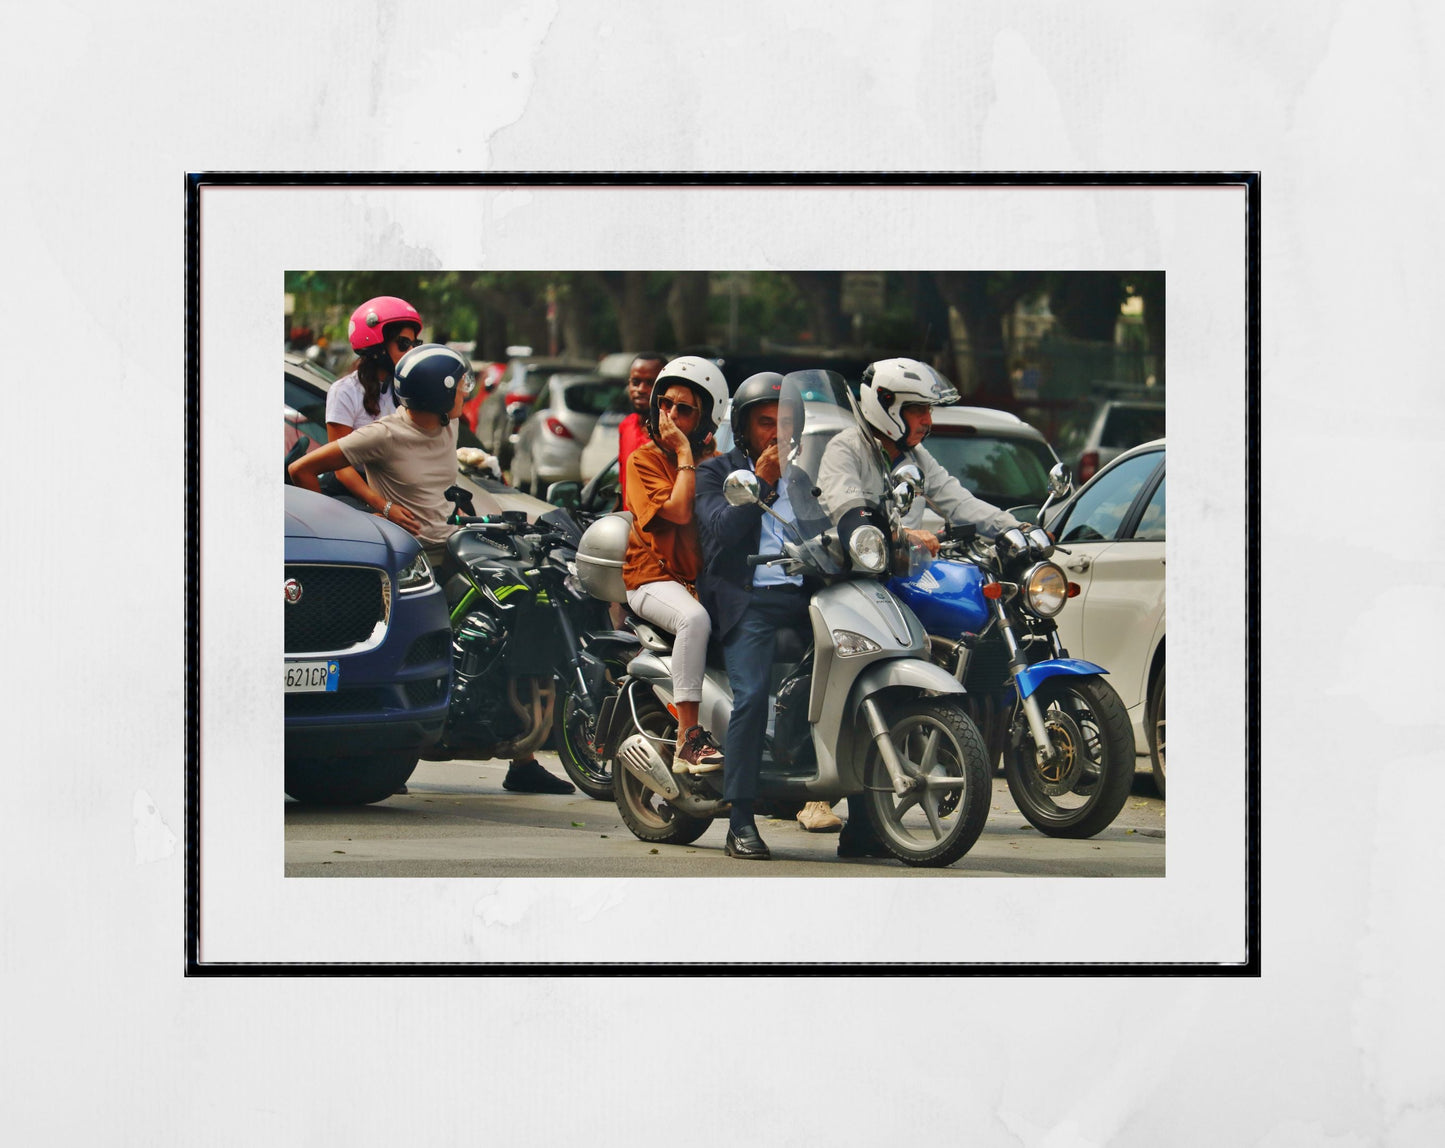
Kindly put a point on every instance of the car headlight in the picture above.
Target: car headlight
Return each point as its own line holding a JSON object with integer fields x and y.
{"x": 1045, "y": 589}
{"x": 868, "y": 549}
{"x": 416, "y": 575}
{"x": 850, "y": 645}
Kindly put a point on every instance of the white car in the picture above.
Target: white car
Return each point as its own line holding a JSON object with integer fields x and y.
{"x": 996, "y": 455}
{"x": 1111, "y": 542}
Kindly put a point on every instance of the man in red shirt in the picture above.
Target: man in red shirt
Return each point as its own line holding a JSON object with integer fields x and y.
{"x": 632, "y": 432}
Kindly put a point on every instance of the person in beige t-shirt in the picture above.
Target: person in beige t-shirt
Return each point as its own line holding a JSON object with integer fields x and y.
{"x": 411, "y": 459}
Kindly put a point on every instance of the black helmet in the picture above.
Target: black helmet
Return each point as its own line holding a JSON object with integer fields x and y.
{"x": 427, "y": 378}
{"x": 764, "y": 387}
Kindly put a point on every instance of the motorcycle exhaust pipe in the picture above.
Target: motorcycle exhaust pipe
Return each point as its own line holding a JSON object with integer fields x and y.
{"x": 640, "y": 758}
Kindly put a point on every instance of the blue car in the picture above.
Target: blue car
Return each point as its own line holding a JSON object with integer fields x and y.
{"x": 368, "y": 653}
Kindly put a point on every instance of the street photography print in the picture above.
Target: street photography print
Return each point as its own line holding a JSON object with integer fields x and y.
{"x": 568, "y": 399}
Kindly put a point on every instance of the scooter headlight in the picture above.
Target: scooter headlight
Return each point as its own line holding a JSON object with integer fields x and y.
{"x": 868, "y": 549}
{"x": 1045, "y": 589}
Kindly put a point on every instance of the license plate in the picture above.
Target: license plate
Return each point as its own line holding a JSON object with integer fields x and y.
{"x": 312, "y": 677}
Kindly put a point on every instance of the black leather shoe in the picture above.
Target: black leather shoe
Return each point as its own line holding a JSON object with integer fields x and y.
{"x": 747, "y": 845}
{"x": 860, "y": 845}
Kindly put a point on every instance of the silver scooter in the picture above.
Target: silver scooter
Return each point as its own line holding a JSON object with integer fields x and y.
{"x": 858, "y": 706}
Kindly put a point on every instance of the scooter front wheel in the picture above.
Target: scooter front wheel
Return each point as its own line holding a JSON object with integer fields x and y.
{"x": 936, "y": 822}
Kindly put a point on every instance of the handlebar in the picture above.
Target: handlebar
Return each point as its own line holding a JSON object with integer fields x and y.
{"x": 764, "y": 559}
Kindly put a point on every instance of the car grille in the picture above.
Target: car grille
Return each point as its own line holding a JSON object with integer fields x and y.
{"x": 339, "y": 607}
{"x": 429, "y": 648}
{"x": 358, "y": 701}
{"x": 426, "y": 691}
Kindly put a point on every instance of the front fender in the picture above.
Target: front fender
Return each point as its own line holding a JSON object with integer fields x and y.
{"x": 912, "y": 673}
{"x": 1032, "y": 678}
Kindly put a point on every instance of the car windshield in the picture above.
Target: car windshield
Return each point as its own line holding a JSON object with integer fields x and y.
{"x": 309, "y": 402}
{"x": 1130, "y": 426}
{"x": 596, "y": 398}
{"x": 1005, "y": 472}
{"x": 1102, "y": 505}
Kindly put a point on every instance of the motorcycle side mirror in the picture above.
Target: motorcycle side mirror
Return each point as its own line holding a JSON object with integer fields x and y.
{"x": 1059, "y": 487}
{"x": 567, "y": 495}
{"x": 907, "y": 484}
{"x": 741, "y": 488}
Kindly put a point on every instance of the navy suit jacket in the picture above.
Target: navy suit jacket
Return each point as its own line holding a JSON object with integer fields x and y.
{"x": 729, "y": 534}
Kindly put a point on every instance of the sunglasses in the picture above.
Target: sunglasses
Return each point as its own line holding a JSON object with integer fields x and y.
{"x": 667, "y": 406}
{"x": 403, "y": 344}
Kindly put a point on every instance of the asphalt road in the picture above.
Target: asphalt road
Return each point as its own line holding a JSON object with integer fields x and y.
{"x": 456, "y": 820}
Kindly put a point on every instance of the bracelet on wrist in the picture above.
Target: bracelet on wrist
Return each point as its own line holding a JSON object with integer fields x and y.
{"x": 386, "y": 510}
{"x": 686, "y": 466}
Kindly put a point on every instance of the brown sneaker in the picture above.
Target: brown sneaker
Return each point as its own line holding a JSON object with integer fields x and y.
{"x": 697, "y": 752}
{"x": 818, "y": 817}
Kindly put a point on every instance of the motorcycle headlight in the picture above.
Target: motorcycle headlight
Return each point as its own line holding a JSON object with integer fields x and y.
{"x": 1045, "y": 589}
{"x": 850, "y": 645}
{"x": 416, "y": 576}
{"x": 868, "y": 549}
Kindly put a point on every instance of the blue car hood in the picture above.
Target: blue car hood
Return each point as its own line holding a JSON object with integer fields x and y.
{"x": 321, "y": 529}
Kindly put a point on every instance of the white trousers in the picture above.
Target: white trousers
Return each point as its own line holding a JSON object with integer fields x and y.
{"x": 669, "y": 605}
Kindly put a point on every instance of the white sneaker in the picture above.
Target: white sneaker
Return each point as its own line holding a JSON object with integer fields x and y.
{"x": 818, "y": 817}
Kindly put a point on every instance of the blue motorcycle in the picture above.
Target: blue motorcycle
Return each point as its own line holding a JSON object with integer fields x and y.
{"x": 1062, "y": 731}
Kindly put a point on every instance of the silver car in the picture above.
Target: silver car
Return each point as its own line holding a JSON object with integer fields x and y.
{"x": 549, "y": 445}
{"x": 1117, "y": 425}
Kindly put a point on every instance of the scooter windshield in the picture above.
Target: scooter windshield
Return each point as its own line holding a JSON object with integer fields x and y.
{"x": 827, "y": 440}
{"x": 813, "y": 408}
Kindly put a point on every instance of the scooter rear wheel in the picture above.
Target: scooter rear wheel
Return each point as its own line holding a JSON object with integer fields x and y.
{"x": 930, "y": 827}
{"x": 649, "y": 815}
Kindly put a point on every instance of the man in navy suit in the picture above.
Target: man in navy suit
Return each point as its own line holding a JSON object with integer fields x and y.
{"x": 748, "y": 604}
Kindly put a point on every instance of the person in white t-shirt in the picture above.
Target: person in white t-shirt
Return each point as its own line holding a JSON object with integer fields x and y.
{"x": 382, "y": 330}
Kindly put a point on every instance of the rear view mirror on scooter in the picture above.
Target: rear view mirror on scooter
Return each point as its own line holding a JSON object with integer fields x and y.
{"x": 907, "y": 485}
{"x": 741, "y": 488}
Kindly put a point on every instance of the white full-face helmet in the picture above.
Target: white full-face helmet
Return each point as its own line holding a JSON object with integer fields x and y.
{"x": 706, "y": 381}
{"x": 891, "y": 384}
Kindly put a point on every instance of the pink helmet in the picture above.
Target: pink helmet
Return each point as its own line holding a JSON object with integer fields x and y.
{"x": 370, "y": 319}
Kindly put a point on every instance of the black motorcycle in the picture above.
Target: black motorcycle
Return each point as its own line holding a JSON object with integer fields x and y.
{"x": 530, "y": 650}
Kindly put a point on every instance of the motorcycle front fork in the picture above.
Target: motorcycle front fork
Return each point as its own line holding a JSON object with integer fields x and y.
{"x": 1044, "y": 751}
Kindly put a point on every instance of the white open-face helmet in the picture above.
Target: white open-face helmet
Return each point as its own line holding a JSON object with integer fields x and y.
{"x": 891, "y": 384}
{"x": 706, "y": 381}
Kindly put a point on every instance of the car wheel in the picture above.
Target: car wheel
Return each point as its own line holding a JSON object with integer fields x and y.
{"x": 1156, "y": 733}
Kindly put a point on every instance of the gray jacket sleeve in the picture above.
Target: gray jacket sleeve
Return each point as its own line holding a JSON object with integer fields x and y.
{"x": 956, "y": 503}
{"x": 841, "y": 474}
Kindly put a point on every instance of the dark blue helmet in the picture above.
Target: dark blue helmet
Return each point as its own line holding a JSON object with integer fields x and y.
{"x": 427, "y": 378}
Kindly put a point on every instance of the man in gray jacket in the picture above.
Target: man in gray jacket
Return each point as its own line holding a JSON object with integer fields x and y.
{"x": 897, "y": 397}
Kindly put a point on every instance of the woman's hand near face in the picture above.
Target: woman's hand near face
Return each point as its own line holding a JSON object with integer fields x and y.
{"x": 670, "y": 435}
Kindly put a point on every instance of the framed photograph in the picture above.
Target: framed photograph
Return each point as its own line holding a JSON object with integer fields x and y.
{"x": 995, "y": 281}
